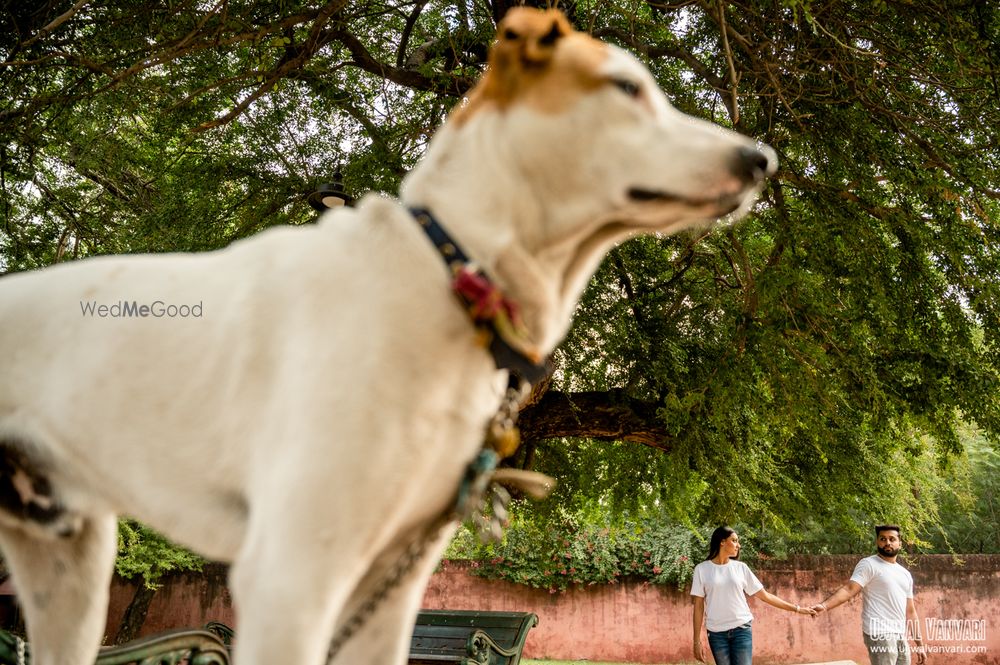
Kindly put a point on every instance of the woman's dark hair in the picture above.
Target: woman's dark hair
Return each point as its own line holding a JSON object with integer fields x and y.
{"x": 715, "y": 544}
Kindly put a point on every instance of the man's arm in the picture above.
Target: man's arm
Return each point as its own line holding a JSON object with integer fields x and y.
{"x": 839, "y": 597}
{"x": 912, "y": 619}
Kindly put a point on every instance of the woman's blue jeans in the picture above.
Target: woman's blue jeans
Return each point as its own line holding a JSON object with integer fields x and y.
{"x": 732, "y": 647}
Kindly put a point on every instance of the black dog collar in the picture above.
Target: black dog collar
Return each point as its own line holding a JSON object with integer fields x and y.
{"x": 491, "y": 312}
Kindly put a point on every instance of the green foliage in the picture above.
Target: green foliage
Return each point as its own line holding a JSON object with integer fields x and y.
{"x": 807, "y": 371}
{"x": 586, "y": 548}
{"x": 970, "y": 515}
{"x": 831, "y": 343}
{"x": 143, "y": 552}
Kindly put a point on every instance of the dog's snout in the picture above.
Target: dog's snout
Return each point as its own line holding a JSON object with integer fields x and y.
{"x": 754, "y": 164}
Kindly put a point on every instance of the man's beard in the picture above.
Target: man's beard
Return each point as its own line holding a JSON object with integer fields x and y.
{"x": 888, "y": 551}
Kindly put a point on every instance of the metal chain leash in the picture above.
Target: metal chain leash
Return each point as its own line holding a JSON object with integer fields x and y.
{"x": 471, "y": 495}
{"x": 403, "y": 566}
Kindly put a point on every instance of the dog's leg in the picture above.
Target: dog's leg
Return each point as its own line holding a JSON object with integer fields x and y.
{"x": 63, "y": 588}
{"x": 391, "y": 624}
{"x": 288, "y": 586}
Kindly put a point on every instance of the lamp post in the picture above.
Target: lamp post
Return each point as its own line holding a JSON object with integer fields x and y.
{"x": 330, "y": 195}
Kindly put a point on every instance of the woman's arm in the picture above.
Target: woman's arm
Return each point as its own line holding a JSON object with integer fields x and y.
{"x": 699, "y": 621}
{"x": 774, "y": 601}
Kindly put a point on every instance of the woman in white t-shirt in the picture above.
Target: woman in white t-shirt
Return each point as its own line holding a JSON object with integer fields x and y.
{"x": 719, "y": 589}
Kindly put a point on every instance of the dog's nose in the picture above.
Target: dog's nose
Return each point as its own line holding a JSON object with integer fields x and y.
{"x": 754, "y": 164}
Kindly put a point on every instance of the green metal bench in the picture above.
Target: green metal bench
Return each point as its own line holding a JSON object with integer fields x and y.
{"x": 198, "y": 647}
{"x": 439, "y": 636}
{"x": 470, "y": 637}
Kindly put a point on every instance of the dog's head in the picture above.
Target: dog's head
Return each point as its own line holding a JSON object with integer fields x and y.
{"x": 573, "y": 144}
{"x": 592, "y": 117}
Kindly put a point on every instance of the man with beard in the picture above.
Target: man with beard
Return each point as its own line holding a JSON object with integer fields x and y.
{"x": 888, "y": 607}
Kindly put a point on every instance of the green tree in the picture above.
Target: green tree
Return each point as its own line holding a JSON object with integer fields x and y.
{"x": 970, "y": 516}
{"x": 774, "y": 372}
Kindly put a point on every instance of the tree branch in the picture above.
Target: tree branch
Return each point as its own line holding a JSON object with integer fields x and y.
{"x": 605, "y": 416}
{"x": 316, "y": 39}
{"x": 404, "y": 40}
{"x": 734, "y": 107}
{"x": 59, "y": 20}
{"x": 455, "y": 85}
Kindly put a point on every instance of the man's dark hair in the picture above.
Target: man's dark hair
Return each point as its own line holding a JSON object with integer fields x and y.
{"x": 887, "y": 527}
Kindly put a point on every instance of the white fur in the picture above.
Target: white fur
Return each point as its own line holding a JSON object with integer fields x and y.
{"x": 325, "y": 405}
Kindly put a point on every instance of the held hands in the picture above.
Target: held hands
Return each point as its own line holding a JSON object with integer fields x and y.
{"x": 811, "y": 611}
{"x": 818, "y": 608}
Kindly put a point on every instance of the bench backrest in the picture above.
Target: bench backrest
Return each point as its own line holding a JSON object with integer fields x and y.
{"x": 443, "y": 635}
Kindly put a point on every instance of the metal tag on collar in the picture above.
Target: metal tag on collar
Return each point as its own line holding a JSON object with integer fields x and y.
{"x": 502, "y": 434}
{"x": 483, "y": 499}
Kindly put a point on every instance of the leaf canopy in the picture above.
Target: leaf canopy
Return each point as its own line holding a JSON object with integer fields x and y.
{"x": 811, "y": 363}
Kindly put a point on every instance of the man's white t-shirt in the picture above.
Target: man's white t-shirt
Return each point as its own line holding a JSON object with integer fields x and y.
{"x": 886, "y": 587}
{"x": 725, "y": 589}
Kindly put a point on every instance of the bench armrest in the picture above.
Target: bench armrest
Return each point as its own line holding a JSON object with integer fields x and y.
{"x": 199, "y": 646}
{"x": 481, "y": 645}
{"x": 204, "y": 647}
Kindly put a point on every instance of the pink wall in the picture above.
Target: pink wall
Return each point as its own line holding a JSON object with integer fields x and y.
{"x": 650, "y": 624}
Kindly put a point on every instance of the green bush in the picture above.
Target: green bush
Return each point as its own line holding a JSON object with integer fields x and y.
{"x": 577, "y": 550}
{"x": 144, "y": 552}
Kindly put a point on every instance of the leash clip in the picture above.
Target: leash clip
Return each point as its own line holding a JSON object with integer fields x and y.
{"x": 502, "y": 434}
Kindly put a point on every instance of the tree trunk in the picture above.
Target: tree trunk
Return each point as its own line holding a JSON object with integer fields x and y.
{"x": 135, "y": 614}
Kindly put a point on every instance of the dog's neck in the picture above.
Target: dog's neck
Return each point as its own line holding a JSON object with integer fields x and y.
{"x": 467, "y": 182}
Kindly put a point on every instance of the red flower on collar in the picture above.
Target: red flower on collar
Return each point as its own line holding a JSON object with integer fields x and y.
{"x": 490, "y": 310}
{"x": 484, "y": 299}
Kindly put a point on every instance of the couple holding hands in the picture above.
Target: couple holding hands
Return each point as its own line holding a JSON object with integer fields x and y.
{"x": 721, "y": 584}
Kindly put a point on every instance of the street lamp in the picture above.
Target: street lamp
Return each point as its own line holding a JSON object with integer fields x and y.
{"x": 330, "y": 195}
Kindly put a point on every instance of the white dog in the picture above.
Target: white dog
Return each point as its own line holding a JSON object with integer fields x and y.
{"x": 304, "y": 402}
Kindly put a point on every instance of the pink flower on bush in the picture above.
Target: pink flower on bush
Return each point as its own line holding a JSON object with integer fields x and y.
{"x": 657, "y": 570}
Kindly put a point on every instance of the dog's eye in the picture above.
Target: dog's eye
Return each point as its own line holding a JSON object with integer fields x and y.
{"x": 630, "y": 88}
